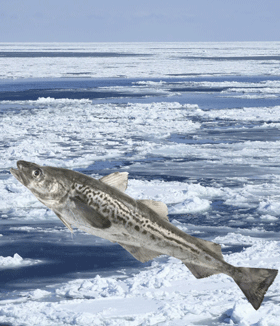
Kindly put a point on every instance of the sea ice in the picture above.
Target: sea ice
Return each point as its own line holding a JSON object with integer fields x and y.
{"x": 152, "y": 60}
{"x": 16, "y": 261}
{"x": 165, "y": 293}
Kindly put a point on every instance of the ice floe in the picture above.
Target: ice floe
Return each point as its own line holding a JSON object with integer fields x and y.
{"x": 16, "y": 261}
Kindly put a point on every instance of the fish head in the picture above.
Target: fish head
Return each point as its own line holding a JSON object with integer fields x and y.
{"x": 45, "y": 182}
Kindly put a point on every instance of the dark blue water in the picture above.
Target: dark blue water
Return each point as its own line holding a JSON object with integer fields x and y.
{"x": 64, "y": 257}
{"x": 75, "y": 88}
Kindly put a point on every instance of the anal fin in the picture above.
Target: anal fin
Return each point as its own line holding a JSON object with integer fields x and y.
{"x": 141, "y": 254}
{"x": 200, "y": 271}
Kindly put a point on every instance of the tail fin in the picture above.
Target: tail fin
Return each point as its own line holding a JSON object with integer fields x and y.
{"x": 254, "y": 283}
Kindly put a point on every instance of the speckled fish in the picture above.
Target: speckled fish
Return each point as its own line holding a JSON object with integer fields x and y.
{"x": 100, "y": 207}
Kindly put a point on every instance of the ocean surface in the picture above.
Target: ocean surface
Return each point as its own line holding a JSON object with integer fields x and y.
{"x": 196, "y": 125}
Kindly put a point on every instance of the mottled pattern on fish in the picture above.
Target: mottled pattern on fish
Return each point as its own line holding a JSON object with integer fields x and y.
{"x": 118, "y": 213}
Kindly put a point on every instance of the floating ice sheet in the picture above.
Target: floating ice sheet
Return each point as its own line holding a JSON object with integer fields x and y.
{"x": 16, "y": 262}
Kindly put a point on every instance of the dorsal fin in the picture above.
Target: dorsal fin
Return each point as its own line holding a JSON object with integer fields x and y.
{"x": 201, "y": 271}
{"x": 215, "y": 248}
{"x": 117, "y": 180}
{"x": 159, "y": 207}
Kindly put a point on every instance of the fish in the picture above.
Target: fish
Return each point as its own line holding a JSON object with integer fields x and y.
{"x": 101, "y": 207}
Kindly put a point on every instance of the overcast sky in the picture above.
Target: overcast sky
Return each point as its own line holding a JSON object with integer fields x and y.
{"x": 139, "y": 20}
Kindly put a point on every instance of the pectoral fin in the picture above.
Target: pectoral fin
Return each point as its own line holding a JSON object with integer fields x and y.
{"x": 141, "y": 254}
{"x": 64, "y": 221}
{"x": 85, "y": 214}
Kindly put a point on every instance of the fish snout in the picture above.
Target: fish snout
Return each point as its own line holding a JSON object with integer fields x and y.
{"x": 24, "y": 164}
{"x": 17, "y": 174}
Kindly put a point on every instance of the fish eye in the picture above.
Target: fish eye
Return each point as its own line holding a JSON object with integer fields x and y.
{"x": 36, "y": 173}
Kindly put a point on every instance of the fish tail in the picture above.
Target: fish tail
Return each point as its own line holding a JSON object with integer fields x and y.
{"x": 254, "y": 282}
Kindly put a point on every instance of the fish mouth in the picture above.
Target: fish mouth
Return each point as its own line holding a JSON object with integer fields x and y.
{"x": 16, "y": 174}
{"x": 19, "y": 173}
